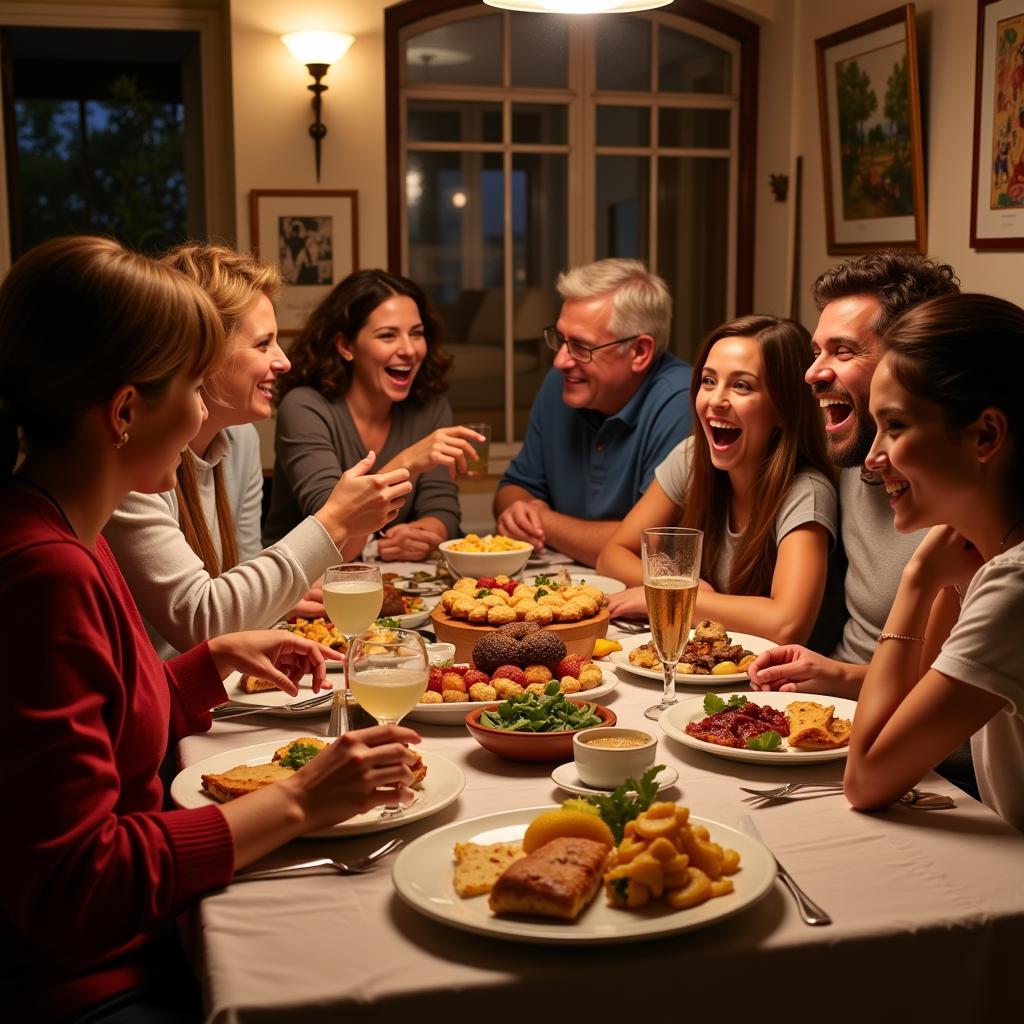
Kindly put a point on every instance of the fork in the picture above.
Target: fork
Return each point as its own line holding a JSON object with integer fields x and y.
{"x": 227, "y": 711}
{"x": 357, "y": 867}
{"x": 789, "y": 787}
{"x": 630, "y": 625}
{"x": 918, "y": 799}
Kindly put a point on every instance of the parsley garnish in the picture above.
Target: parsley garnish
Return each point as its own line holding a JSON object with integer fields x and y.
{"x": 627, "y": 801}
{"x": 299, "y": 754}
{"x": 713, "y": 703}
{"x": 389, "y": 623}
{"x": 766, "y": 741}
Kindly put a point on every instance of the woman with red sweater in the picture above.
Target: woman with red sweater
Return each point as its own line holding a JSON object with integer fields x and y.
{"x": 102, "y": 353}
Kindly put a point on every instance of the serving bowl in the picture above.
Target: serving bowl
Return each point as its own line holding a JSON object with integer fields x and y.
{"x": 530, "y": 746}
{"x": 485, "y": 563}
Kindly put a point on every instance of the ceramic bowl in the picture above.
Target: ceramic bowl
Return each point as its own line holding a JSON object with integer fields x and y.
{"x": 485, "y": 563}
{"x": 529, "y": 746}
{"x": 605, "y": 767}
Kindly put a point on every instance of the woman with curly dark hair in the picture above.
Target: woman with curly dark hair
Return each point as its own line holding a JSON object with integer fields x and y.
{"x": 368, "y": 374}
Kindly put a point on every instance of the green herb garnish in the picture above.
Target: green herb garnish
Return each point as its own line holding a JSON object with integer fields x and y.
{"x": 540, "y": 593}
{"x": 627, "y": 801}
{"x": 483, "y": 592}
{"x": 299, "y": 754}
{"x": 554, "y": 712}
{"x": 766, "y": 741}
{"x": 713, "y": 703}
{"x": 388, "y": 623}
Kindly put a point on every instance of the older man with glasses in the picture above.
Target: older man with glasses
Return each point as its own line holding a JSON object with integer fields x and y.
{"x": 611, "y": 409}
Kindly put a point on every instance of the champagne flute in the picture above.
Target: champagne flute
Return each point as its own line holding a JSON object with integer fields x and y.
{"x": 353, "y": 595}
{"x": 671, "y": 557}
{"x": 387, "y": 673}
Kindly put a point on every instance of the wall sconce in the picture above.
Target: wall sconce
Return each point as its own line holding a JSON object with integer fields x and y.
{"x": 318, "y": 51}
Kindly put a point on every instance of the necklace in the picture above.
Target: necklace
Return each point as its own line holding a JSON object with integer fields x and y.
{"x": 1006, "y": 536}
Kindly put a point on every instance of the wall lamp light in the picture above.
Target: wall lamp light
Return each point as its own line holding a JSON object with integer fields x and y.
{"x": 318, "y": 51}
{"x": 577, "y": 6}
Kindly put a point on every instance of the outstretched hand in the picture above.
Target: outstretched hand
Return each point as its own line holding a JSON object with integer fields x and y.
{"x": 361, "y": 502}
{"x": 274, "y": 654}
{"x": 408, "y": 542}
{"x": 522, "y": 521}
{"x": 447, "y": 446}
{"x": 796, "y": 669}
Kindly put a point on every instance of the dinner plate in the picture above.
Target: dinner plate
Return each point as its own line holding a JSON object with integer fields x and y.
{"x": 674, "y": 721}
{"x": 443, "y": 784}
{"x": 747, "y": 641}
{"x": 274, "y": 700}
{"x": 604, "y": 583}
{"x": 455, "y": 714}
{"x": 423, "y": 871}
{"x": 566, "y": 777}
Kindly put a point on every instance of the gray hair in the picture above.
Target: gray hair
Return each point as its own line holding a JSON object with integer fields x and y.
{"x": 641, "y": 303}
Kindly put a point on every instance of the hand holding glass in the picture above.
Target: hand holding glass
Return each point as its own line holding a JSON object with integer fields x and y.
{"x": 671, "y": 557}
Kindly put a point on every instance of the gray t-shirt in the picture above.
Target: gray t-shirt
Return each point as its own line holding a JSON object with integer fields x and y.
{"x": 809, "y": 499}
{"x": 984, "y": 650}
{"x": 876, "y": 554}
{"x": 316, "y": 440}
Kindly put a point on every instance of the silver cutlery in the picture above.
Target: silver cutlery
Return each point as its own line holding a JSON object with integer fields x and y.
{"x": 226, "y": 711}
{"x": 630, "y": 625}
{"x": 356, "y": 867}
{"x": 809, "y": 911}
{"x": 918, "y": 799}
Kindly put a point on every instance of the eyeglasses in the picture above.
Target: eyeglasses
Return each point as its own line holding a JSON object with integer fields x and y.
{"x": 554, "y": 340}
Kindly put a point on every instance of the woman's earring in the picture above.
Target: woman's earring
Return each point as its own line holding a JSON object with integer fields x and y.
{"x": 122, "y": 440}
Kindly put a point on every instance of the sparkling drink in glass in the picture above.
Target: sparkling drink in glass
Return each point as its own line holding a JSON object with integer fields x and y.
{"x": 671, "y": 558}
{"x": 478, "y": 466}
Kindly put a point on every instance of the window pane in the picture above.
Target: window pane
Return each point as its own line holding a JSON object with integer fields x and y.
{"x": 540, "y": 50}
{"x": 539, "y": 122}
{"x": 540, "y": 226}
{"x": 693, "y": 218}
{"x": 689, "y": 64}
{"x": 623, "y": 196}
{"x": 704, "y": 129}
{"x": 623, "y": 126}
{"x": 465, "y": 52}
{"x": 623, "y": 52}
{"x": 443, "y": 121}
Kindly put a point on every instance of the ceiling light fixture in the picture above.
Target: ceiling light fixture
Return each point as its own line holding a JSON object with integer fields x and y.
{"x": 578, "y": 6}
{"x": 318, "y": 51}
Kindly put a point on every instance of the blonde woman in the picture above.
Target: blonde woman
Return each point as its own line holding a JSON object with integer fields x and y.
{"x": 192, "y": 555}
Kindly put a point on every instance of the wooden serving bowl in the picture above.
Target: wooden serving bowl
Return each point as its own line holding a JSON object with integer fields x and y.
{"x": 530, "y": 746}
{"x": 578, "y": 637}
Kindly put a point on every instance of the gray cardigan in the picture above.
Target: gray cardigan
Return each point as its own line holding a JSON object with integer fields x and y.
{"x": 316, "y": 440}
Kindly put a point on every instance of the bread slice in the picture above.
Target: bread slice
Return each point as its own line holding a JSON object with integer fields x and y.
{"x": 478, "y": 867}
{"x": 557, "y": 880}
{"x": 235, "y": 782}
{"x": 812, "y": 727}
{"x": 253, "y": 684}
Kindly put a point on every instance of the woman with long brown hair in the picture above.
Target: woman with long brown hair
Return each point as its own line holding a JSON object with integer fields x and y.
{"x": 755, "y": 477}
{"x": 368, "y": 373}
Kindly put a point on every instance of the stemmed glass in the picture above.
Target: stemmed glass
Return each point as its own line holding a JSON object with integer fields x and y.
{"x": 387, "y": 674}
{"x": 353, "y": 595}
{"x": 671, "y": 557}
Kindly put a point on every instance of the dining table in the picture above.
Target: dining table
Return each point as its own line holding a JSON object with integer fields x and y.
{"x": 927, "y": 908}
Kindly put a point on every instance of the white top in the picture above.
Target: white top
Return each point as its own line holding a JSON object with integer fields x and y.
{"x": 984, "y": 650}
{"x": 810, "y": 498}
{"x": 179, "y": 601}
{"x": 876, "y": 555}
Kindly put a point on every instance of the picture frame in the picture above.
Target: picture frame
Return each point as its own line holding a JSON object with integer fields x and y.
{"x": 313, "y": 237}
{"x": 869, "y": 103}
{"x": 997, "y": 185}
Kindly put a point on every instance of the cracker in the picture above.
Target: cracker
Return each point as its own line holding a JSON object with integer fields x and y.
{"x": 478, "y": 867}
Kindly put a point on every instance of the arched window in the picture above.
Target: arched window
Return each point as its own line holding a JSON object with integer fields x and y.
{"x": 521, "y": 144}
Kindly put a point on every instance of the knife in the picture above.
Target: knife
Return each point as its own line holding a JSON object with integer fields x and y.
{"x": 810, "y": 912}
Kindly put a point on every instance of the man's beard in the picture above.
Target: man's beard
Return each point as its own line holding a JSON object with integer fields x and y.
{"x": 854, "y": 449}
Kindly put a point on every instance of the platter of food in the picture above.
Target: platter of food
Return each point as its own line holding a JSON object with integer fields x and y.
{"x": 569, "y": 890}
{"x": 562, "y": 577}
{"x": 712, "y": 656}
{"x": 808, "y": 728}
{"x": 249, "y": 691}
{"x": 232, "y": 773}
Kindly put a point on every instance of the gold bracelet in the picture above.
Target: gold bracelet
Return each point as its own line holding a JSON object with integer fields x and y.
{"x": 898, "y": 636}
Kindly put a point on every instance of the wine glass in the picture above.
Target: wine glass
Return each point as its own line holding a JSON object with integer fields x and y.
{"x": 671, "y": 557}
{"x": 387, "y": 673}
{"x": 353, "y": 595}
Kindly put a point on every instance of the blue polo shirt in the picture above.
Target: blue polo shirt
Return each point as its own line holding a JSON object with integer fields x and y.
{"x": 592, "y": 466}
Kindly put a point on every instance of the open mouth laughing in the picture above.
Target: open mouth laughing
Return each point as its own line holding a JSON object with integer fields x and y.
{"x": 400, "y": 373}
{"x": 836, "y": 410}
{"x": 895, "y": 488}
{"x": 723, "y": 434}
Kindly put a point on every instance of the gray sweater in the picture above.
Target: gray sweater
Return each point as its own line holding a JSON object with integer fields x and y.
{"x": 316, "y": 440}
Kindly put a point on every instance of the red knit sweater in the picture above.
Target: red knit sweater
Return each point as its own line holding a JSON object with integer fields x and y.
{"x": 90, "y": 866}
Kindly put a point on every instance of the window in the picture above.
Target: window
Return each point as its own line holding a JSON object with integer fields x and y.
{"x": 522, "y": 144}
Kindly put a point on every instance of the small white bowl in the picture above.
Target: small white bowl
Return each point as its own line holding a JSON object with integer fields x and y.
{"x": 604, "y": 767}
{"x": 485, "y": 563}
{"x": 438, "y": 654}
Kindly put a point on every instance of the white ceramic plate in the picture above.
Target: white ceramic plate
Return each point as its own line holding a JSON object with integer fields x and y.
{"x": 566, "y": 777}
{"x": 747, "y": 641}
{"x": 422, "y": 874}
{"x": 442, "y": 785}
{"x": 674, "y": 721}
{"x": 455, "y": 714}
{"x": 274, "y": 699}
{"x": 604, "y": 583}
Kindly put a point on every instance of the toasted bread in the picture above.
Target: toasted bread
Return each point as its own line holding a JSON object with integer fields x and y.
{"x": 478, "y": 867}
{"x": 253, "y": 684}
{"x": 244, "y": 779}
{"x": 812, "y": 727}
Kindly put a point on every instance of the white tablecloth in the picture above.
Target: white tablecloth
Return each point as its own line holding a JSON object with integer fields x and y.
{"x": 928, "y": 911}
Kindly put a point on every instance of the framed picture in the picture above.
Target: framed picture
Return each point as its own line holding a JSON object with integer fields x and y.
{"x": 871, "y": 135}
{"x": 313, "y": 236}
{"x": 997, "y": 194}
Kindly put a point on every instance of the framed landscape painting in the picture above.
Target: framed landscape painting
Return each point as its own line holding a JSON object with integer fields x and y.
{"x": 872, "y": 152}
{"x": 313, "y": 238}
{"x": 997, "y": 195}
